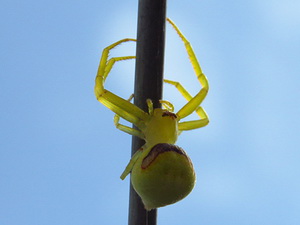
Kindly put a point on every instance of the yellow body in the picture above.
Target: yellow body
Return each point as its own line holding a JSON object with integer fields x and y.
{"x": 167, "y": 179}
{"x": 161, "y": 173}
{"x": 162, "y": 127}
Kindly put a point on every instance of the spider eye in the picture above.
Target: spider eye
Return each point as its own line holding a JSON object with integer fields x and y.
{"x": 170, "y": 114}
{"x": 159, "y": 149}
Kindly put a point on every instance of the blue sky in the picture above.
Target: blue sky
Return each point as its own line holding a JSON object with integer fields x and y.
{"x": 61, "y": 156}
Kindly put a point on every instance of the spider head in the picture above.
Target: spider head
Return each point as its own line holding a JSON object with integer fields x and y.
{"x": 166, "y": 113}
{"x": 164, "y": 176}
{"x": 162, "y": 127}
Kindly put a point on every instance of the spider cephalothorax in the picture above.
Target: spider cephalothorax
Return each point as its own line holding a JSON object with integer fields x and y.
{"x": 161, "y": 172}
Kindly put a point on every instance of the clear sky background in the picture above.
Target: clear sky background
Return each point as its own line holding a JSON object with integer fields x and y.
{"x": 61, "y": 156}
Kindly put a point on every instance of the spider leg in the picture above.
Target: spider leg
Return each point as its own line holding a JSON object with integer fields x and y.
{"x": 111, "y": 62}
{"x": 167, "y": 105}
{"x": 141, "y": 152}
{"x": 120, "y": 106}
{"x": 195, "y": 101}
{"x": 127, "y": 129}
{"x": 150, "y": 107}
{"x": 131, "y": 163}
{"x": 194, "y": 124}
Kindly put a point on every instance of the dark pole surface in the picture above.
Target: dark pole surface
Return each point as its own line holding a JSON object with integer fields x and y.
{"x": 148, "y": 83}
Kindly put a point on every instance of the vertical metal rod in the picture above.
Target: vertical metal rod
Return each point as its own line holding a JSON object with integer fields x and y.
{"x": 148, "y": 83}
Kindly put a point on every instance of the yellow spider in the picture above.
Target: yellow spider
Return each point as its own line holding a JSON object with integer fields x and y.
{"x": 161, "y": 172}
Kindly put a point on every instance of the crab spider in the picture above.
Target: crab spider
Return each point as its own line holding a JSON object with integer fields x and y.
{"x": 161, "y": 172}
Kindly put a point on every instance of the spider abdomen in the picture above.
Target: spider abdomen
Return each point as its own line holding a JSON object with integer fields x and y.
{"x": 164, "y": 176}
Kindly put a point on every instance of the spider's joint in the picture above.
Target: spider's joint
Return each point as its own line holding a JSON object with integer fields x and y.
{"x": 99, "y": 93}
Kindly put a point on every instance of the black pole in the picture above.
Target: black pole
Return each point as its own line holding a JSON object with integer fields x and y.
{"x": 148, "y": 83}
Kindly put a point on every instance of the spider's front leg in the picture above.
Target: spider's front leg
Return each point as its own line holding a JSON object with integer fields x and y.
{"x": 194, "y": 124}
{"x": 193, "y": 103}
{"x": 120, "y": 106}
{"x": 126, "y": 129}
